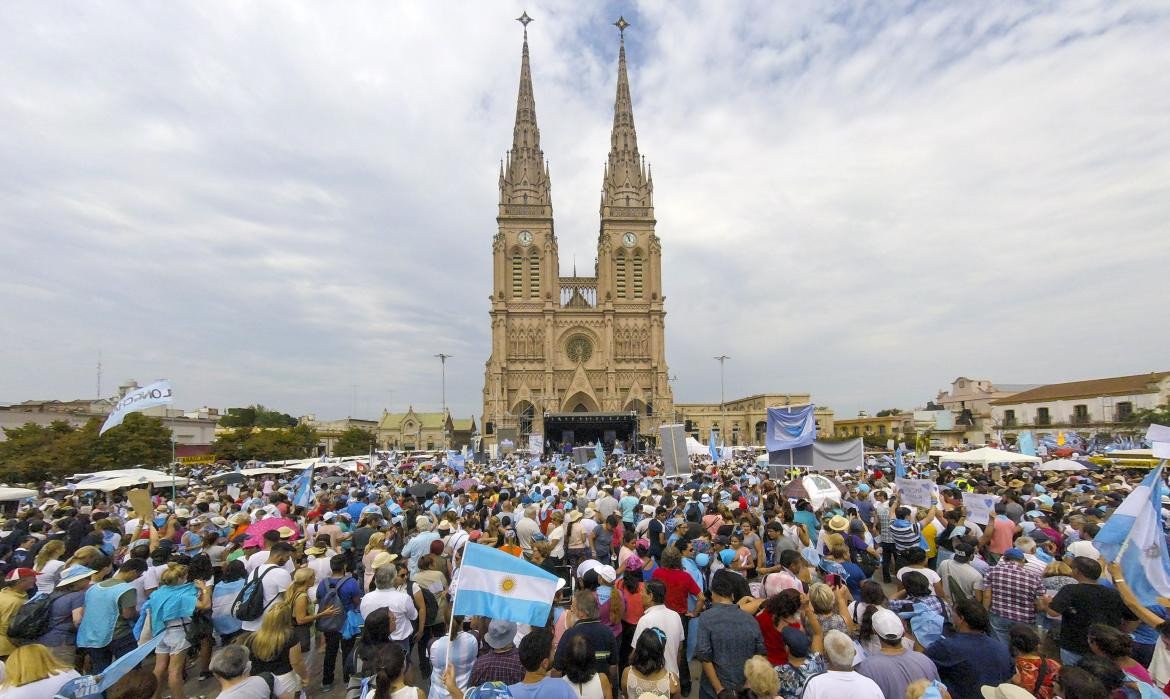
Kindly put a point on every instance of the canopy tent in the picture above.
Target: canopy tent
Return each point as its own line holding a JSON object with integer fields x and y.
{"x": 131, "y": 476}
{"x": 9, "y": 494}
{"x": 696, "y": 449}
{"x": 1062, "y": 465}
{"x": 109, "y": 485}
{"x": 985, "y": 456}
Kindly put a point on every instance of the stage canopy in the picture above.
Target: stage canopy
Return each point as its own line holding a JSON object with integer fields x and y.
{"x": 985, "y": 456}
{"x": 584, "y": 429}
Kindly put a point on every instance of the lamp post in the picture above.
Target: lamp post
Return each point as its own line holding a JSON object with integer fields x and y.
{"x": 443, "y": 360}
{"x": 722, "y": 407}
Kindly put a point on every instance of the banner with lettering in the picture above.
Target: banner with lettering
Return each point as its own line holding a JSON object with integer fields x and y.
{"x": 152, "y": 396}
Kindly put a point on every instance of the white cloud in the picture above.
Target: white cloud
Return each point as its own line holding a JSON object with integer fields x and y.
{"x": 271, "y": 202}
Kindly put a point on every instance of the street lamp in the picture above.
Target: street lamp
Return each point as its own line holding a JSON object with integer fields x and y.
{"x": 722, "y": 407}
{"x": 443, "y": 359}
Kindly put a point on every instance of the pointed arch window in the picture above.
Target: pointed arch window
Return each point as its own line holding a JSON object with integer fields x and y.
{"x": 517, "y": 276}
{"x": 533, "y": 275}
{"x": 619, "y": 277}
{"x": 638, "y": 275}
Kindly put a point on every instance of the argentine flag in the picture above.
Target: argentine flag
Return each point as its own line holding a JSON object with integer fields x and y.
{"x": 303, "y": 488}
{"x": 496, "y": 584}
{"x": 711, "y": 447}
{"x": 1133, "y": 534}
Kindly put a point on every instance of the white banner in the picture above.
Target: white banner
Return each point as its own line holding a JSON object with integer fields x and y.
{"x": 152, "y": 396}
{"x": 917, "y": 492}
{"x": 536, "y": 444}
{"x": 979, "y": 506}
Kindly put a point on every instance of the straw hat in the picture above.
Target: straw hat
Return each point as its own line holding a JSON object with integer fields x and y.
{"x": 73, "y": 574}
{"x": 838, "y": 523}
{"x": 383, "y": 559}
{"x": 573, "y": 515}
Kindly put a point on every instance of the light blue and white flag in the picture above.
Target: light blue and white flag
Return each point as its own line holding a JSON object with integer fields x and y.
{"x": 899, "y": 463}
{"x": 711, "y": 448}
{"x": 1133, "y": 534}
{"x": 1027, "y": 446}
{"x": 498, "y": 585}
{"x": 94, "y": 685}
{"x": 152, "y": 396}
{"x": 456, "y": 461}
{"x": 534, "y": 462}
{"x": 598, "y": 461}
{"x": 303, "y": 488}
{"x": 562, "y": 464}
{"x": 789, "y": 428}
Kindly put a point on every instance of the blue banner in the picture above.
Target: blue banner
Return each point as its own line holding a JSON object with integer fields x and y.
{"x": 789, "y": 428}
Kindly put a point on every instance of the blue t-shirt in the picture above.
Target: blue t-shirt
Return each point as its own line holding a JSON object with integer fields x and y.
{"x": 548, "y": 688}
{"x": 354, "y": 509}
{"x": 809, "y": 520}
{"x": 628, "y": 503}
{"x": 349, "y": 592}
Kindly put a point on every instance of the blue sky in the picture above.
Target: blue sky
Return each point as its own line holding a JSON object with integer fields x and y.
{"x": 271, "y": 202}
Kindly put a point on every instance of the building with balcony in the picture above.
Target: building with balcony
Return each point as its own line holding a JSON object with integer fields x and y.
{"x": 896, "y": 427}
{"x": 968, "y": 405}
{"x": 1089, "y": 407}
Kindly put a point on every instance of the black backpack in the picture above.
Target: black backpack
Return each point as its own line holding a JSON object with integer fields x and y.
{"x": 32, "y": 620}
{"x": 332, "y": 598}
{"x": 249, "y": 606}
{"x": 431, "y": 604}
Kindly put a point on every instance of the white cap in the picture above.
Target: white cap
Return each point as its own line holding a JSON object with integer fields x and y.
{"x": 887, "y": 624}
{"x": 1083, "y": 548}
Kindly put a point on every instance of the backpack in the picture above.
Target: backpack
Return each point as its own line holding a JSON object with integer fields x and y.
{"x": 32, "y": 620}
{"x": 332, "y": 598}
{"x": 431, "y": 604}
{"x": 249, "y": 606}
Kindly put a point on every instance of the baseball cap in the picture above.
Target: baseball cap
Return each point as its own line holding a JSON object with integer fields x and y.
{"x": 887, "y": 624}
{"x": 1014, "y": 554}
{"x": 1082, "y": 548}
{"x": 797, "y": 641}
{"x": 1007, "y": 690}
{"x": 18, "y": 573}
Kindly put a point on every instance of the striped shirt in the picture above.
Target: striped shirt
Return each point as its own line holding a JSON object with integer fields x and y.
{"x": 906, "y": 535}
{"x": 882, "y": 512}
{"x": 1014, "y": 589}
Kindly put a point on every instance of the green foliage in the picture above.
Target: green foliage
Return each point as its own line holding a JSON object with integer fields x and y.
{"x": 274, "y": 444}
{"x": 34, "y": 452}
{"x": 1144, "y": 417}
{"x": 888, "y": 412}
{"x": 353, "y": 442}
{"x": 256, "y": 416}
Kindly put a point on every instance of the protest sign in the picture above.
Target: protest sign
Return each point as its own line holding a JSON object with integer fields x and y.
{"x": 917, "y": 492}
{"x": 979, "y": 507}
{"x": 140, "y": 501}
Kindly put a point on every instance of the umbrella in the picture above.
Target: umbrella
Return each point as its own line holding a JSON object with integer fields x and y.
{"x": 466, "y": 484}
{"x": 229, "y": 477}
{"x": 1063, "y": 465}
{"x": 256, "y": 531}
{"x": 423, "y": 490}
{"x": 815, "y": 488}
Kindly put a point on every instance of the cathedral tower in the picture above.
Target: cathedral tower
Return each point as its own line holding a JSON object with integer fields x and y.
{"x": 588, "y": 346}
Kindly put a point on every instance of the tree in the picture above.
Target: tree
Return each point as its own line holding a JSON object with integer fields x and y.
{"x": 256, "y": 416}
{"x": 355, "y": 441}
{"x": 888, "y": 412}
{"x": 34, "y": 452}
{"x": 274, "y": 444}
{"x": 1143, "y": 417}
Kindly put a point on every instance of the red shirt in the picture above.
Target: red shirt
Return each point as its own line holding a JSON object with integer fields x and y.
{"x": 773, "y": 640}
{"x": 679, "y": 584}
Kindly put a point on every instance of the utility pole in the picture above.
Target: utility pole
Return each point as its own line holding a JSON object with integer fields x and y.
{"x": 443, "y": 360}
{"x": 99, "y": 376}
{"x": 722, "y": 406}
{"x": 352, "y": 399}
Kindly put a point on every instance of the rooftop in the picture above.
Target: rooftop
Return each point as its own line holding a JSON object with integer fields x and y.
{"x": 1115, "y": 386}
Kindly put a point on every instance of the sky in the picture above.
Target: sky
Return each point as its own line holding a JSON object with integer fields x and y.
{"x": 293, "y": 203}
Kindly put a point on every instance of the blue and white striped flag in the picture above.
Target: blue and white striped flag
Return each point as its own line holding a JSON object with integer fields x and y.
{"x": 1133, "y": 534}
{"x": 498, "y": 585}
{"x": 899, "y": 463}
{"x": 711, "y": 449}
{"x": 303, "y": 488}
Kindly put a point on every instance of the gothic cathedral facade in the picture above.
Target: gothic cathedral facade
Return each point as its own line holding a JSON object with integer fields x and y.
{"x": 574, "y": 344}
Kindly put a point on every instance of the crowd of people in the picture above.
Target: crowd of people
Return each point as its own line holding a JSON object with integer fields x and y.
{"x": 726, "y": 582}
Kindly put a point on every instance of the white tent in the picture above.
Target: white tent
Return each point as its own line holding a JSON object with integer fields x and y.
{"x": 8, "y": 494}
{"x": 696, "y": 449}
{"x": 1062, "y": 465}
{"x": 985, "y": 456}
{"x": 109, "y": 485}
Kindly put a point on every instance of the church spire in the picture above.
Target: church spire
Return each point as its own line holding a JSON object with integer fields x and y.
{"x": 626, "y": 190}
{"x": 525, "y": 187}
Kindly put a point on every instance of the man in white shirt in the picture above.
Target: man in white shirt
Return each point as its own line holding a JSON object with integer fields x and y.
{"x": 658, "y": 615}
{"x": 840, "y": 680}
{"x": 397, "y": 602}
{"x": 271, "y": 538}
{"x": 273, "y": 578}
{"x": 526, "y": 528}
{"x": 607, "y": 504}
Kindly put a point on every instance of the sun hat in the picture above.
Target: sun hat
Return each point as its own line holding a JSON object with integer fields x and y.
{"x": 444, "y": 526}
{"x": 573, "y": 516}
{"x": 74, "y": 573}
{"x": 838, "y": 523}
{"x": 887, "y": 624}
{"x": 1007, "y": 690}
{"x": 159, "y": 508}
{"x": 219, "y": 521}
{"x": 384, "y": 558}
{"x": 606, "y": 573}
{"x": 500, "y": 633}
{"x": 588, "y": 565}
{"x": 286, "y": 533}
{"x": 314, "y": 551}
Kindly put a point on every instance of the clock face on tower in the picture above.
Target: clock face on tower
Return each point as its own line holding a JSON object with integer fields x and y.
{"x": 629, "y": 240}
{"x": 525, "y": 238}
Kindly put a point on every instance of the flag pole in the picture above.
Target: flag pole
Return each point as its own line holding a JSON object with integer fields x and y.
{"x": 454, "y": 597}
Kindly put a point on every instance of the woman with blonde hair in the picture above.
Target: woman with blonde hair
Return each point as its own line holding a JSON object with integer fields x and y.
{"x": 297, "y": 597}
{"x": 760, "y": 678}
{"x": 90, "y": 557}
{"x": 167, "y": 612}
{"x": 48, "y": 565}
{"x": 32, "y": 672}
{"x": 373, "y": 547}
{"x": 831, "y": 607}
{"x": 276, "y": 650}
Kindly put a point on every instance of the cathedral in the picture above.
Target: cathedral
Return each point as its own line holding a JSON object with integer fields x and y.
{"x": 575, "y": 359}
